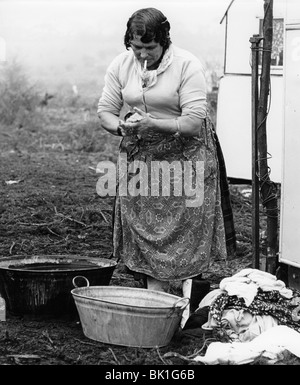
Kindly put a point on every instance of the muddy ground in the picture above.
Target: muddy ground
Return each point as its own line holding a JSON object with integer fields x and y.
{"x": 49, "y": 205}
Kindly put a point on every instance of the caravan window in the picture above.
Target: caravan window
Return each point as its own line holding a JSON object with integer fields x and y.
{"x": 277, "y": 43}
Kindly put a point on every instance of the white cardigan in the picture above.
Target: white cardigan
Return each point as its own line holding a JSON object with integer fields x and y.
{"x": 180, "y": 89}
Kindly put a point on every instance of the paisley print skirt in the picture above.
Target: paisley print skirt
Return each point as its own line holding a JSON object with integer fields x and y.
{"x": 168, "y": 221}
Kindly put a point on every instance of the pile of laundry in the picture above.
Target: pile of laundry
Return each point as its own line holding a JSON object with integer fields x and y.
{"x": 258, "y": 313}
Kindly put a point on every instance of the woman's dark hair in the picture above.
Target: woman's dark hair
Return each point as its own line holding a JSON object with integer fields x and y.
{"x": 150, "y": 24}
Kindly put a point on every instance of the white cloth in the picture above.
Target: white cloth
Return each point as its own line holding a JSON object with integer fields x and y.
{"x": 269, "y": 345}
{"x": 241, "y": 325}
{"x": 266, "y": 281}
{"x": 242, "y": 287}
{"x": 245, "y": 284}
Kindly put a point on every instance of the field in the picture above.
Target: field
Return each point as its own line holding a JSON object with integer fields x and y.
{"x": 49, "y": 206}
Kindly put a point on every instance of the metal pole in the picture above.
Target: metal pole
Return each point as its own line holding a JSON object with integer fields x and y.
{"x": 255, "y": 180}
{"x": 268, "y": 189}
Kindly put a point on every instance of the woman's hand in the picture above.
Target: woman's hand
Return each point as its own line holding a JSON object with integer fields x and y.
{"x": 138, "y": 124}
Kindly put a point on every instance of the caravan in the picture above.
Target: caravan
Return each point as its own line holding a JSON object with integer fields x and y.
{"x": 243, "y": 20}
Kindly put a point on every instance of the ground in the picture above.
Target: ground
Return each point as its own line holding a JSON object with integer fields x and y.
{"x": 49, "y": 205}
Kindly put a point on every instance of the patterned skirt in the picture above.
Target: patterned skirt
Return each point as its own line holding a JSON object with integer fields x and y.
{"x": 168, "y": 219}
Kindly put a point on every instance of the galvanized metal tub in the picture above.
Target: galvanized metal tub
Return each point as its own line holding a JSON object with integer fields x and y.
{"x": 41, "y": 285}
{"x": 128, "y": 316}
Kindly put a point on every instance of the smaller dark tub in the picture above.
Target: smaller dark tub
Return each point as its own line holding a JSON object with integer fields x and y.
{"x": 41, "y": 285}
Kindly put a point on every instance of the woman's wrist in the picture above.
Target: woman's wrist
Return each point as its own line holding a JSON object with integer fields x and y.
{"x": 177, "y": 128}
{"x": 166, "y": 126}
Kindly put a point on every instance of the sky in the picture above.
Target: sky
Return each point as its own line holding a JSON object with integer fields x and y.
{"x": 74, "y": 41}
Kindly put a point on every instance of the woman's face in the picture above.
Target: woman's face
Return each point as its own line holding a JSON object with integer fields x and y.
{"x": 146, "y": 51}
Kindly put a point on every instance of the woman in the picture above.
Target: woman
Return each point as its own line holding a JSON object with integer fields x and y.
{"x": 168, "y": 235}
